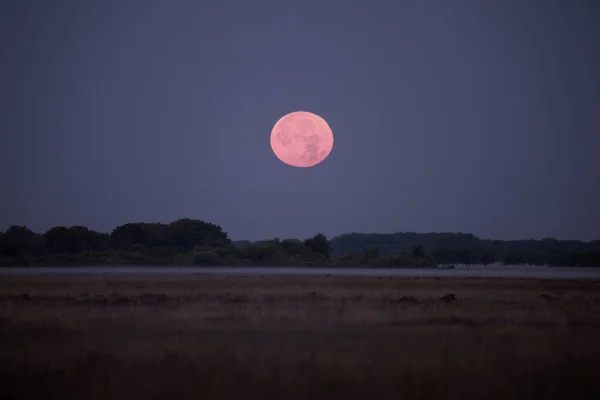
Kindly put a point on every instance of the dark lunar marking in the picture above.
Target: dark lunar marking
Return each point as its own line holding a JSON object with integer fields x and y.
{"x": 312, "y": 150}
{"x": 284, "y": 138}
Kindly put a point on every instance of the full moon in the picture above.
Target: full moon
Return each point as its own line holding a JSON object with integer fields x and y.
{"x": 301, "y": 139}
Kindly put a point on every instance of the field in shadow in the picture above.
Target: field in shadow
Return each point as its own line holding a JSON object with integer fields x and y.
{"x": 210, "y": 337}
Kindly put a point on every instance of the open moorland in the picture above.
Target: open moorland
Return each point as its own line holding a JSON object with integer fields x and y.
{"x": 219, "y": 337}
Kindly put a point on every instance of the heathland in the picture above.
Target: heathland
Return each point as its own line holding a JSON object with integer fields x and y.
{"x": 194, "y": 242}
{"x": 219, "y": 337}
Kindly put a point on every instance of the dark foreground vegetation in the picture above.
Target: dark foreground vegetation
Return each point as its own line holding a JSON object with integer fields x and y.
{"x": 194, "y": 242}
{"x": 99, "y": 337}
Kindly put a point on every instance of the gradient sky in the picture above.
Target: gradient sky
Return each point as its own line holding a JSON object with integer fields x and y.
{"x": 462, "y": 116}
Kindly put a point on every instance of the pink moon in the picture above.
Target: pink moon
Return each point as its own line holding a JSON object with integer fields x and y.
{"x": 301, "y": 139}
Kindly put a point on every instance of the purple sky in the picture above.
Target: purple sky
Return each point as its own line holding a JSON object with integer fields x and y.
{"x": 463, "y": 116}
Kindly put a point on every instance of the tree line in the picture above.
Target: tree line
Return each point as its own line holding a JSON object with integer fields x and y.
{"x": 466, "y": 248}
{"x": 182, "y": 242}
{"x": 196, "y": 242}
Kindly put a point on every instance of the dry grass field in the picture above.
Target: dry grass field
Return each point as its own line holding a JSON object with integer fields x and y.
{"x": 210, "y": 337}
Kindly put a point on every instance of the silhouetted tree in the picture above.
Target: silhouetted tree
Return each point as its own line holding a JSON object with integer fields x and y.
{"x": 418, "y": 250}
{"x": 74, "y": 240}
{"x": 149, "y": 235}
{"x": 22, "y": 241}
{"x": 294, "y": 246}
{"x": 320, "y": 245}
{"x": 371, "y": 253}
{"x": 184, "y": 234}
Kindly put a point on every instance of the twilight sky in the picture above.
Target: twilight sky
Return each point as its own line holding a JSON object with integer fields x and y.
{"x": 474, "y": 116}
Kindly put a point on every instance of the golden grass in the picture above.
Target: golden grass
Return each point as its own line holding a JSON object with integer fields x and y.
{"x": 211, "y": 337}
